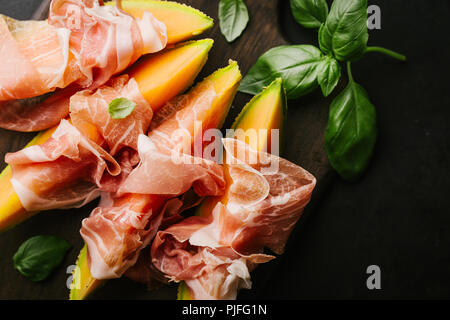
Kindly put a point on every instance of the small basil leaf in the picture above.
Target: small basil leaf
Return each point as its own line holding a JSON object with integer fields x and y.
{"x": 233, "y": 18}
{"x": 345, "y": 34}
{"x": 351, "y": 133}
{"x": 121, "y": 108}
{"x": 310, "y": 13}
{"x": 38, "y": 256}
{"x": 329, "y": 74}
{"x": 296, "y": 65}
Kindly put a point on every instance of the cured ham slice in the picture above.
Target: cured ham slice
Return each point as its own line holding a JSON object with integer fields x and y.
{"x": 115, "y": 233}
{"x": 36, "y": 114}
{"x": 63, "y": 172}
{"x": 214, "y": 255}
{"x": 78, "y": 163}
{"x": 83, "y": 44}
{"x": 104, "y": 39}
{"x": 90, "y": 109}
{"x": 158, "y": 173}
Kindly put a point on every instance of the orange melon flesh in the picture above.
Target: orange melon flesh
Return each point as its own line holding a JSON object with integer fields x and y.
{"x": 226, "y": 82}
{"x": 175, "y": 68}
{"x": 182, "y": 22}
{"x": 267, "y": 111}
{"x": 187, "y": 58}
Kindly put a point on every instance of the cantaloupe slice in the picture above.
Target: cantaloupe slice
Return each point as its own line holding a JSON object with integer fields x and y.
{"x": 266, "y": 111}
{"x": 182, "y": 22}
{"x": 225, "y": 82}
{"x": 157, "y": 82}
{"x": 175, "y": 70}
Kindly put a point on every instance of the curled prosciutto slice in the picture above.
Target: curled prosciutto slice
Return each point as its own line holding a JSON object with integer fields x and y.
{"x": 172, "y": 173}
{"x": 67, "y": 159}
{"x": 117, "y": 231}
{"x": 104, "y": 39}
{"x": 214, "y": 254}
{"x": 115, "y": 235}
{"x": 82, "y": 45}
{"x": 90, "y": 109}
{"x": 36, "y": 114}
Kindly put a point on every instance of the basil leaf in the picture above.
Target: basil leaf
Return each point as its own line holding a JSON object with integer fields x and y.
{"x": 233, "y": 18}
{"x": 351, "y": 133}
{"x": 310, "y": 13}
{"x": 121, "y": 108}
{"x": 329, "y": 75}
{"x": 345, "y": 34}
{"x": 38, "y": 256}
{"x": 296, "y": 65}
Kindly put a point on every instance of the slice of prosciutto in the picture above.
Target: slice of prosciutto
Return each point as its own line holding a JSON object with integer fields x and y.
{"x": 116, "y": 232}
{"x": 214, "y": 254}
{"x": 69, "y": 169}
{"x": 63, "y": 172}
{"x": 82, "y": 44}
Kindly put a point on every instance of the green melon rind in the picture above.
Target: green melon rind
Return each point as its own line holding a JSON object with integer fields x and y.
{"x": 209, "y": 22}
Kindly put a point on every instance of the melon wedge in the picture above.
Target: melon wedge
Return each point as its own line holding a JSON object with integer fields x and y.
{"x": 164, "y": 75}
{"x": 187, "y": 59}
{"x": 266, "y": 111}
{"x": 225, "y": 82}
{"x": 182, "y": 22}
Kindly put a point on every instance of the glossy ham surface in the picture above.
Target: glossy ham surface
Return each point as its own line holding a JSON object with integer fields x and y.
{"x": 67, "y": 159}
{"x": 80, "y": 152}
{"x": 82, "y": 45}
{"x": 90, "y": 108}
{"x": 163, "y": 172}
{"x": 214, "y": 254}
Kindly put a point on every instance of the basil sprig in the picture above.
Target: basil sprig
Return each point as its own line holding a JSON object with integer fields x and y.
{"x": 38, "y": 256}
{"x": 343, "y": 36}
{"x": 310, "y": 13}
{"x": 121, "y": 108}
{"x": 351, "y": 132}
{"x": 233, "y": 18}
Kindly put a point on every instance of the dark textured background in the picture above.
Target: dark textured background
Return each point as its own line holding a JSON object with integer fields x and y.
{"x": 396, "y": 217}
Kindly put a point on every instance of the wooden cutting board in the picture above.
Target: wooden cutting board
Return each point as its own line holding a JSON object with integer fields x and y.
{"x": 306, "y": 123}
